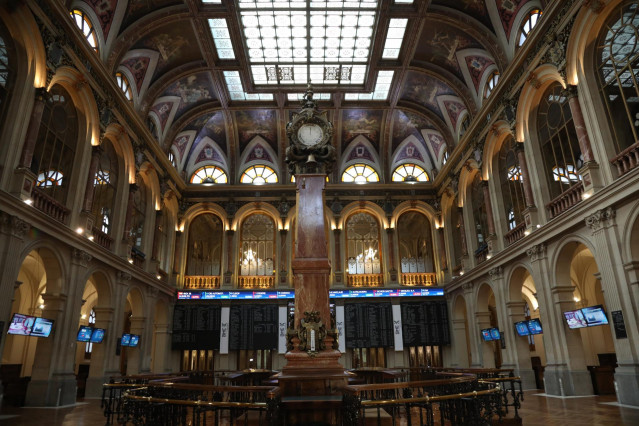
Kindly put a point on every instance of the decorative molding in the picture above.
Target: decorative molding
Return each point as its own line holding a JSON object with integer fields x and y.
{"x": 13, "y": 225}
{"x": 595, "y": 5}
{"x": 123, "y": 277}
{"x": 468, "y": 287}
{"x": 601, "y": 218}
{"x": 496, "y": 273}
{"x": 537, "y": 252}
{"x": 81, "y": 257}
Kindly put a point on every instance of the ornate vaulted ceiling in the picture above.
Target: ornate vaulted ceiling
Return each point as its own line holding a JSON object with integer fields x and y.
{"x": 203, "y": 105}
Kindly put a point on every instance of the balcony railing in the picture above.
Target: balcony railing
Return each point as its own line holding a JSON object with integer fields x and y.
{"x": 201, "y": 281}
{"x": 138, "y": 257}
{"x": 102, "y": 239}
{"x": 256, "y": 281}
{"x": 627, "y": 159}
{"x": 566, "y": 200}
{"x": 419, "y": 279}
{"x": 365, "y": 280}
{"x": 515, "y": 234}
{"x": 49, "y": 206}
{"x": 481, "y": 253}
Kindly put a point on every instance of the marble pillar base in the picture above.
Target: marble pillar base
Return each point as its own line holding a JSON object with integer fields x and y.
{"x": 61, "y": 389}
{"x": 561, "y": 381}
{"x": 304, "y": 375}
{"x": 627, "y": 384}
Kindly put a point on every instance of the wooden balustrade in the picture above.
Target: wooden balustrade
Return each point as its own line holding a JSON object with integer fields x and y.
{"x": 365, "y": 280}
{"x": 256, "y": 281}
{"x": 419, "y": 279}
{"x": 49, "y": 206}
{"x": 515, "y": 234}
{"x": 627, "y": 159}
{"x": 566, "y": 200}
{"x": 201, "y": 281}
{"x": 102, "y": 239}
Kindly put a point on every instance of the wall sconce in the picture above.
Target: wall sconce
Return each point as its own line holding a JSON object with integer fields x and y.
{"x": 28, "y": 201}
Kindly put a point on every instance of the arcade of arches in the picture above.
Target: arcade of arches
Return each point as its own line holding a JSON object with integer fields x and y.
{"x": 485, "y": 148}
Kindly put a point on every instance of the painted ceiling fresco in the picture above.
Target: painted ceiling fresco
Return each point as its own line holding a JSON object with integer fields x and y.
{"x": 260, "y": 122}
{"x": 208, "y": 125}
{"x": 356, "y": 122}
{"x": 405, "y": 124}
{"x": 137, "y": 9}
{"x": 425, "y": 90}
{"x": 104, "y": 10}
{"x": 475, "y": 8}
{"x": 508, "y": 10}
{"x": 191, "y": 91}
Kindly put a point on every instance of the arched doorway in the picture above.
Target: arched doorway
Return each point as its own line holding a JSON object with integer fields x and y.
{"x": 460, "y": 333}
{"x": 486, "y": 318}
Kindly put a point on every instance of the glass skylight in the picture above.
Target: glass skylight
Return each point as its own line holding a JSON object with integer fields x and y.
{"x": 404, "y": 1}
{"x": 236, "y": 89}
{"x": 215, "y": 1}
{"x": 297, "y": 42}
{"x": 384, "y": 79}
{"x": 316, "y": 96}
{"x": 394, "y": 38}
{"x": 222, "y": 38}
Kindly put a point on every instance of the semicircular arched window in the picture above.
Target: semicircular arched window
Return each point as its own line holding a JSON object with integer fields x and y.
{"x": 209, "y": 175}
{"x": 527, "y": 26}
{"x": 257, "y": 246}
{"x": 86, "y": 27}
{"x": 49, "y": 178}
{"x": 410, "y": 173}
{"x": 259, "y": 175}
{"x": 360, "y": 173}
{"x": 363, "y": 248}
{"x": 617, "y": 59}
{"x": 124, "y": 85}
{"x": 491, "y": 83}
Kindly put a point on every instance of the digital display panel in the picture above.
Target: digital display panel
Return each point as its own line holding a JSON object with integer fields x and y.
{"x": 98, "y": 335}
{"x": 333, "y": 294}
{"x": 534, "y": 325}
{"x": 522, "y": 328}
{"x": 496, "y": 335}
{"x": 84, "y": 334}
{"x": 575, "y": 319}
{"x": 595, "y": 315}
{"x": 126, "y": 340}
{"x": 487, "y": 335}
{"x": 42, "y": 327}
{"x": 21, "y": 325}
{"x": 135, "y": 339}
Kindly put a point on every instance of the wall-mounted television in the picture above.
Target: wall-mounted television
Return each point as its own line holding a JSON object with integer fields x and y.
{"x": 21, "y": 325}
{"x": 575, "y": 319}
{"x": 84, "y": 333}
{"x": 98, "y": 335}
{"x": 135, "y": 339}
{"x": 496, "y": 335}
{"x": 522, "y": 328}
{"x": 486, "y": 334}
{"x": 126, "y": 339}
{"x": 595, "y": 315}
{"x": 534, "y": 325}
{"x": 42, "y": 327}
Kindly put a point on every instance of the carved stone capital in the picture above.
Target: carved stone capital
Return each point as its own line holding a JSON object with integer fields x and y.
{"x": 153, "y": 292}
{"x": 536, "y": 252}
{"x": 468, "y": 287}
{"x": 496, "y": 273}
{"x": 123, "y": 277}
{"x": 13, "y": 225}
{"x": 601, "y": 218}
{"x": 81, "y": 257}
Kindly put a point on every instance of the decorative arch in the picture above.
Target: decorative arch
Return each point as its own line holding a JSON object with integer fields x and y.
{"x": 96, "y": 23}
{"x": 630, "y": 236}
{"x": 124, "y": 147}
{"x": 466, "y": 176}
{"x": 103, "y": 285}
{"x": 259, "y": 152}
{"x": 360, "y": 150}
{"x": 202, "y": 208}
{"x": 139, "y": 65}
{"x": 150, "y": 177}
{"x": 500, "y": 131}
{"x": 53, "y": 262}
{"x": 208, "y": 152}
{"x": 417, "y": 206}
{"x": 257, "y": 207}
{"x": 136, "y": 299}
{"x": 521, "y": 16}
{"x": 411, "y": 150}
{"x": 367, "y": 207}
{"x": 483, "y": 293}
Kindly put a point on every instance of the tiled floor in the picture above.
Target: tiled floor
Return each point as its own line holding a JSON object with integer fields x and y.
{"x": 536, "y": 411}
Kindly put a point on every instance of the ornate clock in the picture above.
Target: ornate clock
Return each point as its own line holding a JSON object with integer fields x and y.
{"x": 310, "y": 133}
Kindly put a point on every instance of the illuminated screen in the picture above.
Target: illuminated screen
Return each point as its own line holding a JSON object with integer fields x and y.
{"x": 135, "y": 339}
{"x": 494, "y": 332}
{"x": 98, "y": 335}
{"x": 485, "y": 333}
{"x": 595, "y": 315}
{"x": 126, "y": 339}
{"x": 42, "y": 327}
{"x": 21, "y": 325}
{"x": 575, "y": 319}
{"x": 84, "y": 334}
{"x": 534, "y": 325}
{"x": 522, "y": 328}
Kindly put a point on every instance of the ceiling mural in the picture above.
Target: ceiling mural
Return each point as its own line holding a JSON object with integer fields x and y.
{"x": 477, "y": 66}
{"x": 260, "y": 122}
{"x": 405, "y": 124}
{"x": 104, "y": 10}
{"x": 192, "y": 90}
{"x": 137, "y": 66}
{"x": 454, "y": 108}
{"x": 181, "y": 142}
{"x": 209, "y": 153}
{"x": 356, "y": 122}
{"x": 137, "y": 9}
{"x": 474, "y": 8}
{"x": 206, "y": 126}
{"x": 508, "y": 10}
{"x": 258, "y": 153}
{"x": 176, "y": 44}
{"x": 409, "y": 152}
{"x": 425, "y": 90}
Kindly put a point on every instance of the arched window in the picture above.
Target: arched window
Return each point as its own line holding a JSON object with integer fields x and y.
{"x": 139, "y": 214}
{"x": 105, "y": 188}
{"x": 527, "y": 26}
{"x": 363, "y": 244}
{"x": 491, "y": 83}
{"x": 259, "y": 175}
{"x": 54, "y": 151}
{"x": 86, "y": 27}
{"x": 445, "y": 159}
{"x": 559, "y": 145}
{"x": 257, "y": 246}
{"x": 479, "y": 212}
{"x": 512, "y": 188}
{"x": 410, "y": 173}
{"x": 360, "y": 173}
{"x": 618, "y": 65}
{"x": 415, "y": 243}
{"x": 123, "y": 84}
{"x": 208, "y": 175}
{"x": 172, "y": 159}
{"x": 204, "y": 255}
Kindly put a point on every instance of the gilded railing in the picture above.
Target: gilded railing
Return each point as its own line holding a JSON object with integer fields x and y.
{"x": 365, "y": 280}
{"x": 419, "y": 279}
{"x": 256, "y": 281}
{"x": 201, "y": 281}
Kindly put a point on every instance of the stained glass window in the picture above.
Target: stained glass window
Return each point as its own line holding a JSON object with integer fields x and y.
{"x": 209, "y": 175}
{"x": 84, "y": 24}
{"x": 528, "y": 25}
{"x": 410, "y": 173}
{"x": 360, "y": 173}
{"x": 123, "y": 84}
{"x": 259, "y": 175}
{"x": 490, "y": 84}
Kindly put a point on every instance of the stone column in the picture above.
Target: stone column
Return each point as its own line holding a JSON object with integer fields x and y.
{"x": 462, "y": 231}
{"x": 461, "y": 343}
{"x": 118, "y": 301}
{"x": 618, "y": 297}
{"x": 177, "y": 254}
{"x": 442, "y": 249}
{"x": 525, "y": 176}
{"x": 489, "y": 208}
{"x": 135, "y": 355}
{"x": 157, "y": 235}
{"x": 473, "y": 331}
{"x": 283, "y": 257}
{"x": 96, "y": 153}
{"x": 129, "y": 212}
{"x": 337, "y": 262}
{"x": 390, "y": 233}
{"x": 100, "y": 352}
{"x": 229, "y": 257}
{"x": 487, "y": 348}
{"x": 162, "y": 350}
{"x": 521, "y": 350}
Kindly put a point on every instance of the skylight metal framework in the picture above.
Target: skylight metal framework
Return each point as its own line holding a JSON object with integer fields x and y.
{"x": 300, "y": 42}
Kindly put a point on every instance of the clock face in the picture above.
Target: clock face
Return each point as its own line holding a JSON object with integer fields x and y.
{"x": 310, "y": 134}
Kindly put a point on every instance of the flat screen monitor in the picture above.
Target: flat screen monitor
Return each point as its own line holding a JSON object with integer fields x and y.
{"x": 84, "y": 333}
{"x": 496, "y": 335}
{"x": 135, "y": 339}
{"x": 98, "y": 335}
{"x": 534, "y": 325}
{"x": 485, "y": 333}
{"x": 575, "y": 319}
{"x": 522, "y": 328}
{"x": 42, "y": 327}
{"x": 595, "y": 315}
{"x": 126, "y": 339}
{"x": 21, "y": 325}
